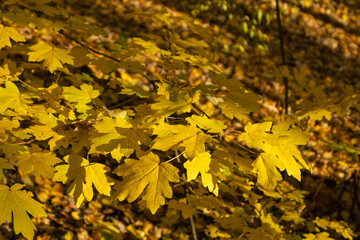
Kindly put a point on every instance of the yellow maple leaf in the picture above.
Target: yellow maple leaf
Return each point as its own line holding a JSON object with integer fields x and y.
{"x": 37, "y": 161}
{"x": 81, "y": 96}
{"x": 118, "y": 137}
{"x": 53, "y": 57}
{"x": 180, "y": 103}
{"x": 82, "y": 175}
{"x": 146, "y": 176}
{"x": 201, "y": 164}
{"x": 17, "y": 204}
{"x": 9, "y": 32}
{"x": 280, "y": 151}
{"x": 315, "y": 114}
{"x": 231, "y": 110}
{"x": 10, "y": 98}
{"x": 212, "y": 126}
{"x": 186, "y": 209}
{"x": 4, "y": 164}
{"x": 175, "y": 136}
{"x": 268, "y": 175}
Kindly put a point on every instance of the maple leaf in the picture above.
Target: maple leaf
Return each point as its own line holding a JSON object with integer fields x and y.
{"x": 37, "y": 161}
{"x": 229, "y": 156}
{"x": 186, "y": 210}
{"x": 318, "y": 236}
{"x": 180, "y": 103}
{"x": 81, "y": 97}
{"x": 82, "y": 175}
{"x": 106, "y": 136}
{"x": 80, "y": 56}
{"x": 150, "y": 47}
{"x": 118, "y": 137}
{"x": 315, "y": 114}
{"x": 246, "y": 100}
{"x": 255, "y": 135}
{"x": 9, "y": 32}
{"x": 231, "y": 110}
{"x": 230, "y": 84}
{"x": 129, "y": 89}
{"x": 176, "y": 136}
{"x": 43, "y": 132}
{"x": 280, "y": 150}
{"x": 54, "y": 57}
{"x": 208, "y": 124}
{"x": 4, "y": 164}
{"x": 340, "y": 227}
{"x": 18, "y": 204}
{"x": 9, "y": 71}
{"x": 146, "y": 176}
{"x": 10, "y": 98}
{"x": 268, "y": 175}
{"x": 270, "y": 222}
{"x": 201, "y": 164}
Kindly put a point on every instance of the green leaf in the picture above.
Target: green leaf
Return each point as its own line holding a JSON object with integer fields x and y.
{"x": 18, "y": 204}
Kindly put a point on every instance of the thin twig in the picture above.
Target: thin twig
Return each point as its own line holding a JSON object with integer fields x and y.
{"x": 24, "y": 143}
{"x": 100, "y": 53}
{"x": 282, "y": 54}
{"x": 183, "y": 175}
{"x": 57, "y": 79}
{"x": 122, "y": 103}
{"x": 35, "y": 89}
{"x": 318, "y": 189}
{"x": 176, "y": 157}
{"x": 90, "y": 48}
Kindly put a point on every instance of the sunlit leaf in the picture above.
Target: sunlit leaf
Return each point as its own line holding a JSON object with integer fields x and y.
{"x": 16, "y": 204}
{"x": 146, "y": 176}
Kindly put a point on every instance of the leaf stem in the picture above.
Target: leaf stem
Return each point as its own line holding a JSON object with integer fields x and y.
{"x": 183, "y": 175}
{"x": 35, "y": 89}
{"x": 176, "y": 157}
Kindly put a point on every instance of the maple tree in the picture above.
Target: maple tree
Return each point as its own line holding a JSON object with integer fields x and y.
{"x": 145, "y": 119}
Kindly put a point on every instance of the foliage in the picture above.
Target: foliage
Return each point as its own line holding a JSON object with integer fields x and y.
{"x": 153, "y": 117}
